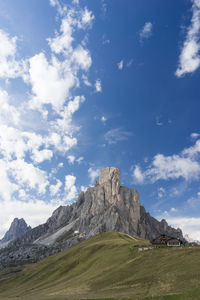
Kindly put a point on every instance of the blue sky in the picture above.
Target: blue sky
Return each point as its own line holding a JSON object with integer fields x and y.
{"x": 90, "y": 84}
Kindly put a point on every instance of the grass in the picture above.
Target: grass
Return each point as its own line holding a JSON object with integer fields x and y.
{"x": 107, "y": 266}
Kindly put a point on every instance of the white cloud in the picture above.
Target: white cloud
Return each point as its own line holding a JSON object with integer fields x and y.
{"x": 7, "y": 187}
{"x": 61, "y": 9}
{"x": 73, "y": 105}
{"x": 28, "y": 175}
{"x": 192, "y": 151}
{"x": 55, "y": 188}
{"x": 86, "y": 81}
{"x": 189, "y": 225}
{"x": 138, "y": 175}
{"x": 71, "y": 159}
{"x": 8, "y": 113}
{"x": 173, "y": 167}
{"x": 60, "y": 165}
{"x": 22, "y": 194}
{"x": 9, "y": 66}
{"x": 93, "y": 174}
{"x": 146, "y": 31}
{"x": 98, "y": 86}
{"x": 51, "y": 82}
{"x": 173, "y": 209}
{"x": 62, "y": 43}
{"x": 194, "y": 135}
{"x": 81, "y": 58}
{"x": 87, "y": 17}
{"x": 116, "y": 135}
{"x": 185, "y": 165}
{"x": 38, "y": 125}
{"x": 83, "y": 188}
{"x": 120, "y": 65}
{"x": 103, "y": 119}
{"x": 161, "y": 192}
{"x": 70, "y": 188}
{"x": 42, "y": 155}
{"x": 189, "y": 59}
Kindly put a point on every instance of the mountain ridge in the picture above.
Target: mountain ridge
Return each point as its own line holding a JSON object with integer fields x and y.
{"x": 107, "y": 206}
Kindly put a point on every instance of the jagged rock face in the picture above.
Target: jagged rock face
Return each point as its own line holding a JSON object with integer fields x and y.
{"x": 110, "y": 180}
{"x": 18, "y": 228}
{"x": 107, "y": 206}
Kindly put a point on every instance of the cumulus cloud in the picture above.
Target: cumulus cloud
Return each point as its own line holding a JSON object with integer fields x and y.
{"x": 70, "y": 188}
{"x": 189, "y": 59}
{"x": 87, "y": 18}
{"x": 185, "y": 165}
{"x": 138, "y": 175}
{"x": 51, "y": 82}
{"x": 42, "y": 155}
{"x": 116, "y": 135}
{"x": 93, "y": 174}
{"x": 71, "y": 159}
{"x": 55, "y": 188}
{"x": 37, "y": 128}
{"x": 26, "y": 174}
{"x": 146, "y": 30}
{"x": 8, "y": 113}
{"x": 194, "y": 135}
{"x": 62, "y": 43}
{"x": 9, "y": 66}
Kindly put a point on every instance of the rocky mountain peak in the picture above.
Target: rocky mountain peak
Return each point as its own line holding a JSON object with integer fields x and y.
{"x": 110, "y": 173}
{"x": 106, "y": 207}
{"x": 110, "y": 180}
{"x": 17, "y": 228}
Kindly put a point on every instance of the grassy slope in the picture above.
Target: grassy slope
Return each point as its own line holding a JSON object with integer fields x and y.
{"x": 107, "y": 266}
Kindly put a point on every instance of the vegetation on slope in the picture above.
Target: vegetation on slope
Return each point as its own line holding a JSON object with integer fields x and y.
{"x": 107, "y": 266}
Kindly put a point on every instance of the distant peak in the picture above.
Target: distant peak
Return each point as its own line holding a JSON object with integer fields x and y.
{"x": 17, "y": 228}
{"x": 18, "y": 221}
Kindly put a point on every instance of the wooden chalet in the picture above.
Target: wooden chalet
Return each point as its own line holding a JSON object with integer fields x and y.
{"x": 164, "y": 240}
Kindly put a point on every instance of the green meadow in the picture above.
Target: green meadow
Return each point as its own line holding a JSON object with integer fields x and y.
{"x": 107, "y": 266}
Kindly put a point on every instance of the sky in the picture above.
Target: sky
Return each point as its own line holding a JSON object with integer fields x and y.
{"x": 89, "y": 84}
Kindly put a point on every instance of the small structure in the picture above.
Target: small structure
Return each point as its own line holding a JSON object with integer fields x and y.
{"x": 174, "y": 242}
{"x": 164, "y": 240}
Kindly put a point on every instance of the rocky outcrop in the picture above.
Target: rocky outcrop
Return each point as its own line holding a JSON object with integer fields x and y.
{"x": 17, "y": 228}
{"x": 107, "y": 206}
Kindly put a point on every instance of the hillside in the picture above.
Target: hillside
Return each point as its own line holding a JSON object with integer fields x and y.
{"x": 106, "y": 266}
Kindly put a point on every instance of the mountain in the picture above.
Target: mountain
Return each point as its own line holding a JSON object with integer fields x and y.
{"x": 17, "y": 228}
{"x": 107, "y": 206}
{"x": 107, "y": 266}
